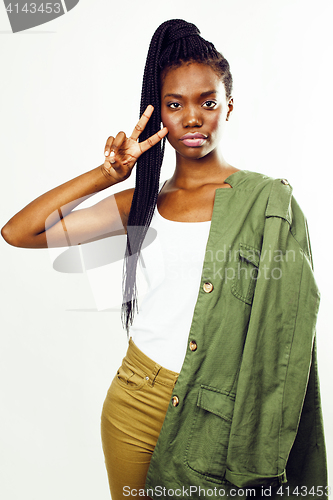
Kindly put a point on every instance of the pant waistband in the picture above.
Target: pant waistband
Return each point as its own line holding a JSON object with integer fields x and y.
{"x": 153, "y": 370}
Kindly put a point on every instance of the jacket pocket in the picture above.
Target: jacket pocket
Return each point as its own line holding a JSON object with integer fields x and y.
{"x": 208, "y": 442}
{"x": 129, "y": 378}
{"x": 245, "y": 273}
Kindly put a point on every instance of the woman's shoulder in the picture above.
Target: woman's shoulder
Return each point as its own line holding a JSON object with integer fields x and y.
{"x": 278, "y": 201}
{"x": 249, "y": 179}
{"x": 255, "y": 181}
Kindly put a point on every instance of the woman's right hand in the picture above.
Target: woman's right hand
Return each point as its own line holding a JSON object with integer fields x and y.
{"x": 50, "y": 219}
{"x": 121, "y": 152}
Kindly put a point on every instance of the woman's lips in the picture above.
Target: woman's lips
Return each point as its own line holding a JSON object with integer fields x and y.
{"x": 193, "y": 140}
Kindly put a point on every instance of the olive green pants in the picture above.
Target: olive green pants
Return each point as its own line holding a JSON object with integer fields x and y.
{"x": 132, "y": 417}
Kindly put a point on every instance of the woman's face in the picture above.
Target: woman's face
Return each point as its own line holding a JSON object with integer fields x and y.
{"x": 194, "y": 108}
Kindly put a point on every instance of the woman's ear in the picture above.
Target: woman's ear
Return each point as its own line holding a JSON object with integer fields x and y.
{"x": 230, "y": 107}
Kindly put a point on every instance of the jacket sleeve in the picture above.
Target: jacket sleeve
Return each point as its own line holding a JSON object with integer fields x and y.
{"x": 277, "y": 353}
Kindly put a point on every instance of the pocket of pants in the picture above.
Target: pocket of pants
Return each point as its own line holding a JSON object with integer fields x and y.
{"x": 127, "y": 376}
{"x": 208, "y": 442}
{"x": 245, "y": 273}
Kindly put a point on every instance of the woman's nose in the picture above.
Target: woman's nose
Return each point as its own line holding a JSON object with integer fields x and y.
{"x": 192, "y": 118}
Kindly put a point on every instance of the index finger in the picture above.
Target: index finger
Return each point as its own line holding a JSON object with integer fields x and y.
{"x": 154, "y": 139}
{"x": 140, "y": 126}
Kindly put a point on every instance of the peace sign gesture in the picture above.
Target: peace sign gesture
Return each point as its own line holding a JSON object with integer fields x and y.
{"x": 121, "y": 152}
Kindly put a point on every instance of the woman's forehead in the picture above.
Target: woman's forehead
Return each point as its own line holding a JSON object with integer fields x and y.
{"x": 190, "y": 77}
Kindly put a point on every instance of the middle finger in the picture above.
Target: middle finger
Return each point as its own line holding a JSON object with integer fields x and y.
{"x": 140, "y": 126}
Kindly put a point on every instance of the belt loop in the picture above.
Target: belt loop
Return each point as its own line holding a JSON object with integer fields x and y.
{"x": 154, "y": 374}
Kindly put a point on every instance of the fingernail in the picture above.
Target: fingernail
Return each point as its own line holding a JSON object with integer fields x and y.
{"x": 112, "y": 155}
{"x": 106, "y": 153}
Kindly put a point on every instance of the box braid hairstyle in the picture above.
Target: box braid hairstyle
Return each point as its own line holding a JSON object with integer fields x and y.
{"x": 174, "y": 43}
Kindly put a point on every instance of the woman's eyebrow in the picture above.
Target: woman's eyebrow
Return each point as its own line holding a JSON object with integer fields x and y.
{"x": 203, "y": 94}
{"x": 178, "y": 96}
{"x": 209, "y": 92}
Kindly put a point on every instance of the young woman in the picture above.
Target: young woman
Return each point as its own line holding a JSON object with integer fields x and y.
{"x": 218, "y": 391}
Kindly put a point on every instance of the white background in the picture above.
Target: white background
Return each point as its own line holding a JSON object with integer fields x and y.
{"x": 65, "y": 87}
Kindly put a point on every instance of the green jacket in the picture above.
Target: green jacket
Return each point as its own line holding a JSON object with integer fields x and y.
{"x": 246, "y": 407}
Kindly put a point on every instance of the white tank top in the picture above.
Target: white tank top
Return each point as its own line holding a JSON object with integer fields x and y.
{"x": 171, "y": 266}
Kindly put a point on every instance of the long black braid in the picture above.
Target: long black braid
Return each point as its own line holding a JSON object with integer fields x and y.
{"x": 173, "y": 43}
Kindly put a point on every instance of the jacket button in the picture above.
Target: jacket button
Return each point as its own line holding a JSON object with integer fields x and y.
{"x": 285, "y": 182}
{"x": 175, "y": 401}
{"x": 193, "y": 345}
{"x": 208, "y": 287}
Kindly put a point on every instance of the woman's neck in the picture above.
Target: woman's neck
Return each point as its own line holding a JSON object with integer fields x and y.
{"x": 193, "y": 173}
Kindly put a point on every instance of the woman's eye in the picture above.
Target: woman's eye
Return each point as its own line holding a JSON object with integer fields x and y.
{"x": 174, "y": 105}
{"x": 210, "y": 104}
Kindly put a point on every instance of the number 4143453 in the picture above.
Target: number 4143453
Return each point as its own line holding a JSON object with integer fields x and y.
{"x": 47, "y": 7}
